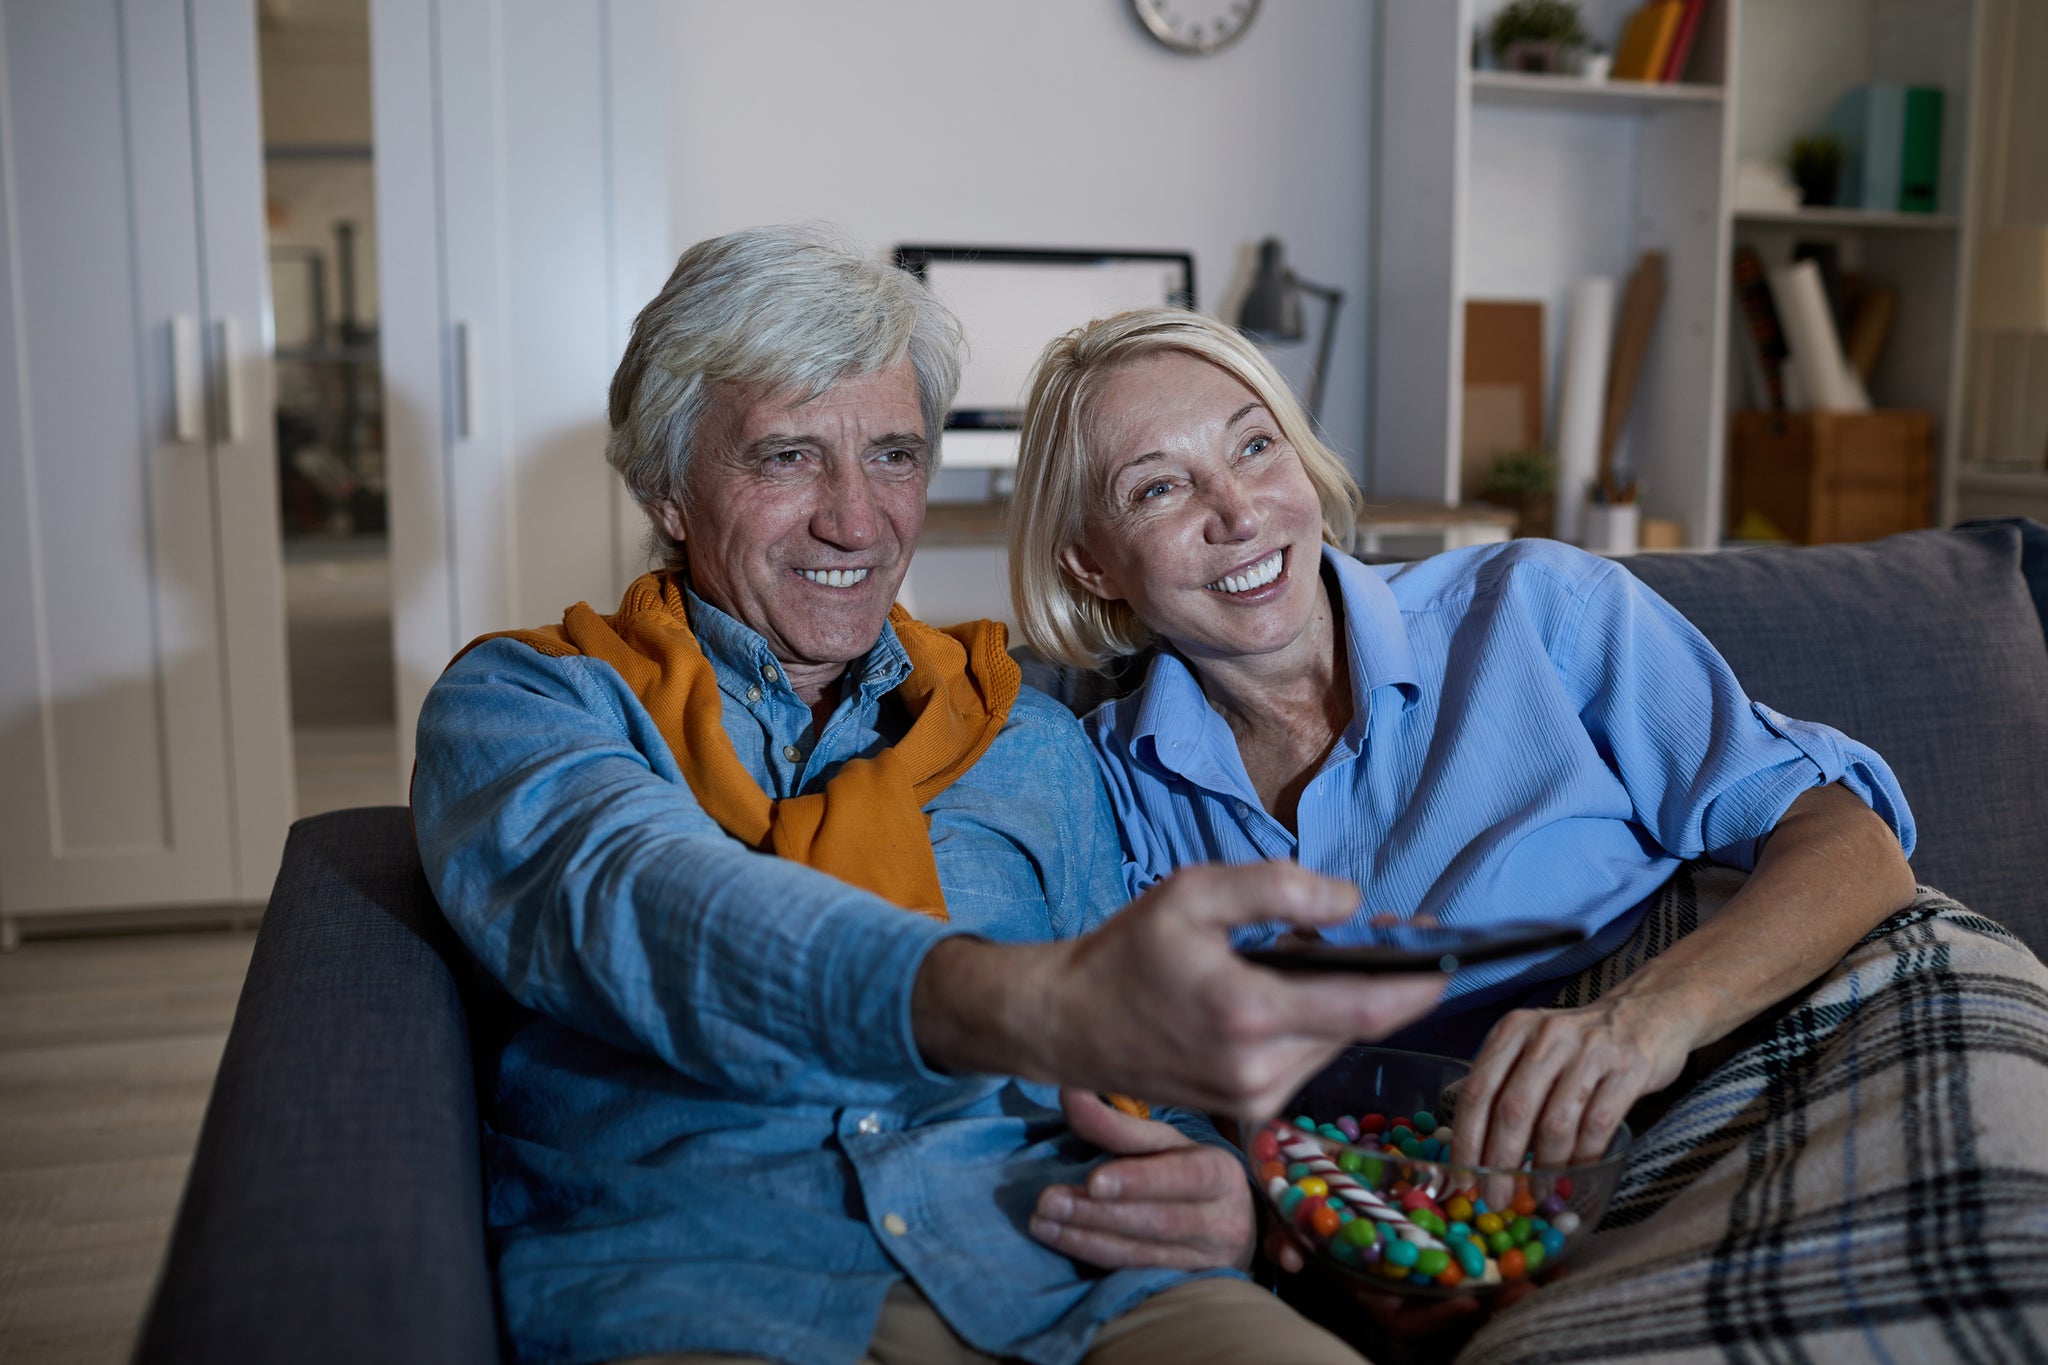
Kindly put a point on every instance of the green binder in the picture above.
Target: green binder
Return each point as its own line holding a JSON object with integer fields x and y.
{"x": 1920, "y": 153}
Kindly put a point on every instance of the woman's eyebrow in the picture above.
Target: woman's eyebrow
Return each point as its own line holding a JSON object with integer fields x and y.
{"x": 1239, "y": 415}
{"x": 1149, "y": 457}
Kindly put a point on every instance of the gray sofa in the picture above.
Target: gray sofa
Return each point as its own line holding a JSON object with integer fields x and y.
{"x": 335, "y": 1206}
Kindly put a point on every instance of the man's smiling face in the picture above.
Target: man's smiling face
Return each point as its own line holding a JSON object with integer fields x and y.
{"x": 802, "y": 516}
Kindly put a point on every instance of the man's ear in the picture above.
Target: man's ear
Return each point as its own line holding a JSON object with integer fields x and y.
{"x": 670, "y": 518}
{"x": 1082, "y": 568}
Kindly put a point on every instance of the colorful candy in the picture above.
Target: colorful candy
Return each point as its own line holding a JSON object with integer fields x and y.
{"x": 1367, "y": 1191}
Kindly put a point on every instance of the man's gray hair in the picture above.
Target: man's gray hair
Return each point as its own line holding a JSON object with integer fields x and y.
{"x": 769, "y": 308}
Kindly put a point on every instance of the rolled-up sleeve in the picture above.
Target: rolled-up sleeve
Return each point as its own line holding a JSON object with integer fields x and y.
{"x": 1709, "y": 771}
{"x": 598, "y": 892}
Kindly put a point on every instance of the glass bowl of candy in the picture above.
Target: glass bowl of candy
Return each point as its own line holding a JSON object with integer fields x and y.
{"x": 1358, "y": 1169}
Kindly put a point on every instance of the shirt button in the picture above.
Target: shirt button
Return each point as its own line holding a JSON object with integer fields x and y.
{"x": 791, "y": 752}
{"x": 753, "y": 694}
{"x": 1243, "y": 810}
{"x": 868, "y": 1126}
{"x": 894, "y": 1225}
{"x": 768, "y": 673}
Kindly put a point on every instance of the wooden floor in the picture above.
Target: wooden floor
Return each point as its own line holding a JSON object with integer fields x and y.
{"x": 107, "y": 1052}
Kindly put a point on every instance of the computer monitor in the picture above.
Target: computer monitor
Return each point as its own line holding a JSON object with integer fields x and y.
{"x": 1010, "y": 302}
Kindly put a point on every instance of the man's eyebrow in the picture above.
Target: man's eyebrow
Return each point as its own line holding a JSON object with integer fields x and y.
{"x": 783, "y": 440}
{"x": 912, "y": 439}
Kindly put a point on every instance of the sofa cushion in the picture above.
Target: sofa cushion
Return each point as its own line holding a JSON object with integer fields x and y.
{"x": 1928, "y": 647}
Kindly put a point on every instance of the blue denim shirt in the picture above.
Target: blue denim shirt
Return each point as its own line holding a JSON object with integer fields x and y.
{"x": 713, "y": 1131}
{"x": 1535, "y": 734}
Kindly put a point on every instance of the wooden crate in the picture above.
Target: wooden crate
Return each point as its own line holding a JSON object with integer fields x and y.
{"x": 1832, "y": 476}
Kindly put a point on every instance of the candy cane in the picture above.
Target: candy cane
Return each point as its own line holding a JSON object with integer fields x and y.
{"x": 1311, "y": 1154}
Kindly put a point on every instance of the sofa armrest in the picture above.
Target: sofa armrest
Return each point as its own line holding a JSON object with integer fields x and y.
{"x": 335, "y": 1206}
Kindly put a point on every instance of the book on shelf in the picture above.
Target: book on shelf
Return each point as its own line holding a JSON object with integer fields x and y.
{"x": 1761, "y": 340}
{"x": 1646, "y": 41}
{"x": 1682, "y": 42}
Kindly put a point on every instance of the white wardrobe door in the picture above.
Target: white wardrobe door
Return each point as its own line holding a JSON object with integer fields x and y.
{"x": 547, "y": 229}
{"x": 112, "y": 729}
{"x": 236, "y": 255}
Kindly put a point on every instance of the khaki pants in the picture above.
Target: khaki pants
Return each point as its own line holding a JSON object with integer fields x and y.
{"x": 1216, "y": 1321}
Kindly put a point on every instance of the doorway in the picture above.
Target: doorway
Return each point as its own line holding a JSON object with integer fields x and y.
{"x": 320, "y": 208}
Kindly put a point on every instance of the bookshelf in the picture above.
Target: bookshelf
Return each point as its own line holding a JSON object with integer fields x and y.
{"x": 1869, "y": 220}
{"x": 1794, "y": 59}
{"x": 1495, "y": 185}
{"x": 1553, "y": 92}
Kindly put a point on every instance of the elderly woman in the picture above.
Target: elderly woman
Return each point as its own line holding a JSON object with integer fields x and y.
{"x": 1523, "y": 731}
{"x": 1513, "y": 732}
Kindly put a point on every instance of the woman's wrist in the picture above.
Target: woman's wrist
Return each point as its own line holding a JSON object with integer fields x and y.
{"x": 1688, "y": 1006}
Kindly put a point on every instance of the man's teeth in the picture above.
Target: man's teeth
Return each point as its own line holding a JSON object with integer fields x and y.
{"x": 834, "y": 578}
{"x": 1257, "y": 576}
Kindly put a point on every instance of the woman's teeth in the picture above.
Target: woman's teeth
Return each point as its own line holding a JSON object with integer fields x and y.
{"x": 834, "y": 578}
{"x": 1257, "y": 576}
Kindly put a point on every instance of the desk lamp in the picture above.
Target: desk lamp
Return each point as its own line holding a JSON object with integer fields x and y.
{"x": 1271, "y": 311}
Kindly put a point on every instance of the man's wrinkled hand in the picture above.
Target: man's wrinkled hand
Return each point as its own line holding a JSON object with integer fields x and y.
{"x": 1165, "y": 1200}
{"x": 1156, "y": 1002}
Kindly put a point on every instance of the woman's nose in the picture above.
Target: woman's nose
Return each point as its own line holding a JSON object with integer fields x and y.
{"x": 1232, "y": 516}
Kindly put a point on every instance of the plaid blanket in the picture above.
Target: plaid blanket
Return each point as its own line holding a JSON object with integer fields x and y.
{"x": 1863, "y": 1175}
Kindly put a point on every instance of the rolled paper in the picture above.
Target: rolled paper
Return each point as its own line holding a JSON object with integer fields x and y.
{"x": 1824, "y": 376}
{"x": 1582, "y": 398}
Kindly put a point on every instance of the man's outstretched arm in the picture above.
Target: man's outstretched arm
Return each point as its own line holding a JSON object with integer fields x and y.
{"x": 1156, "y": 1002}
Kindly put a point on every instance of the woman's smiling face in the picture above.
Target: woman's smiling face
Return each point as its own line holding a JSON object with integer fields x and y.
{"x": 1200, "y": 516}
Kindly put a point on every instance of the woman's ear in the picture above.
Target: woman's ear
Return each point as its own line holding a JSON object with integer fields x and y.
{"x": 1082, "y": 568}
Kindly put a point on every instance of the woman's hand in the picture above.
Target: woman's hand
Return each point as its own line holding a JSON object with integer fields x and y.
{"x": 1560, "y": 1081}
{"x": 1168, "y": 1200}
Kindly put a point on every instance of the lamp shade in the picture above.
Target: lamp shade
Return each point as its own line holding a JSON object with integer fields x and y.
{"x": 1272, "y": 306}
{"x": 2012, "y": 280}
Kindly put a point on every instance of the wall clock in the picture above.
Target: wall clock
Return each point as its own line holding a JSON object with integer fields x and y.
{"x": 1196, "y": 27}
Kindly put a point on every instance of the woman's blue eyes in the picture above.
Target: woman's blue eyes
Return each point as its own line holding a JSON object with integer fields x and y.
{"x": 1153, "y": 490}
{"x": 1257, "y": 445}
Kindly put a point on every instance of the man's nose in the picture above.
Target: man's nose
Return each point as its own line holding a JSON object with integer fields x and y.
{"x": 846, "y": 516}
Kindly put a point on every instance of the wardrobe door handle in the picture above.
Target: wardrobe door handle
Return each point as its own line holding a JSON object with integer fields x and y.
{"x": 465, "y": 382}
{"x": 226, "y": 357}
{"x": 188, "y": 383}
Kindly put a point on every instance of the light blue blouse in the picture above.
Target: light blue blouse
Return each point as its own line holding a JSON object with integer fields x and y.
{"x": 1535, "y": 735}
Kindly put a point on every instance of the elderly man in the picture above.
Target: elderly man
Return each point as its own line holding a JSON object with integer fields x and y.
{"x": 787, "y": 887}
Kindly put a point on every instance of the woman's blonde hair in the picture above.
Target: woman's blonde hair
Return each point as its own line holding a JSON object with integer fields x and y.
{"x": 1059, "y": 618}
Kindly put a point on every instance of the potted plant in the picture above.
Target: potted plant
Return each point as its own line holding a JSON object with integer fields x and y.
{"x": 1816, "y": 164}
{"x": 1542, "y": 36}
{"x": 1525, "y": 481}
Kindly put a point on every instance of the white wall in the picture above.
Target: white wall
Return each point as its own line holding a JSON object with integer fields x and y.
{"x": 1049, "y": 123}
